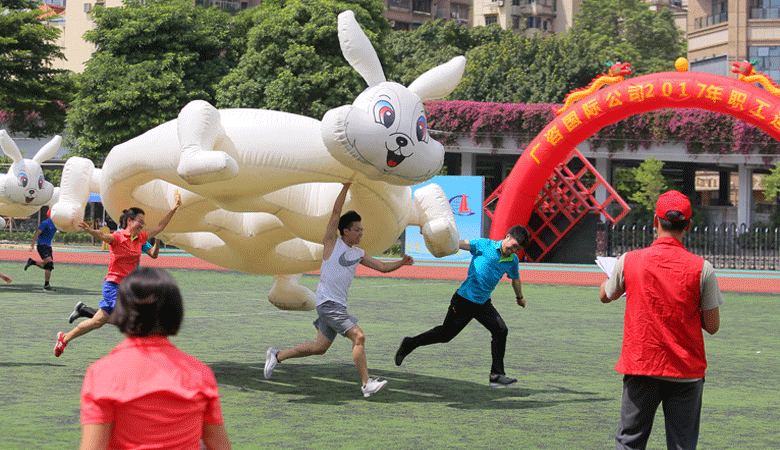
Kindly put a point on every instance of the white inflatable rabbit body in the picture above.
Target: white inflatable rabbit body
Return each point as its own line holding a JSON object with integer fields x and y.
{"x": 23, "y": 190}
{"x": 258, "y": 186}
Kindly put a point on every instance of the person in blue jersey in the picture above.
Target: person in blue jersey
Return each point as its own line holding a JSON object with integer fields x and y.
{"x": 340, "y": 257}
{"x": 490, "y": 260}
{"x": 43, "y": 236}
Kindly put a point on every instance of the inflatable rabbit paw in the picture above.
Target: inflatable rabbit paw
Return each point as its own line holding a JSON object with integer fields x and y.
{"x": 437, "y": 223}
{"x": 287, "y": 294}
{"x": 67, "y": 215}
{"x": 200, "y": 166}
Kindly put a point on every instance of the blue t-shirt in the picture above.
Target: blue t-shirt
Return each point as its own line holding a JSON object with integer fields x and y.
{"x": 486, "y": 269}
{"x": 47, "y": 232}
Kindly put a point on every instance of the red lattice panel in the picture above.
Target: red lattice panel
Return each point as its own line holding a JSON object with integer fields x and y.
{"x": 567, "y": 197}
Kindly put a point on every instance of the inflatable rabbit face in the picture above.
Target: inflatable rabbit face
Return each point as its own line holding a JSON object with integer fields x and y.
{"x": 24, "y": 183}
{"x": 385, "y": 136}
{"x": 384, "y": 133}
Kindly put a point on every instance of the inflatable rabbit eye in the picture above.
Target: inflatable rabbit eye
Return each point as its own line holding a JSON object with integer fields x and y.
{"x": 40, "y": 182}
{"x": 384, "y": 113}
{"x": 22, "y": 180}
{"x": 422, "y": 129}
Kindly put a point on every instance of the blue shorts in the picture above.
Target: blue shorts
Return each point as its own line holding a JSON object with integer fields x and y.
{"x": 109, "y": 296}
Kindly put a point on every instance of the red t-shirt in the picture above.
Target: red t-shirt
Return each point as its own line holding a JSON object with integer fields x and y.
{"x": 125, "y": 254}
{"x": 156, "y": 396}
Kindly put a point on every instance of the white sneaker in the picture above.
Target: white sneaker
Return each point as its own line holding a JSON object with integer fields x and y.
{"x": 270, "y": 362}
{"x": 372, "y": 386}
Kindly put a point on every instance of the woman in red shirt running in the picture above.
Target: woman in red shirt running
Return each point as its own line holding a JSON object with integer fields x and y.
{"x": 125, "y": 252}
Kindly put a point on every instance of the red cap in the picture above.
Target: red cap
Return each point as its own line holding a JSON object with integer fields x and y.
{"x": 48, "y": 213}
{"x": 673, "y": 201}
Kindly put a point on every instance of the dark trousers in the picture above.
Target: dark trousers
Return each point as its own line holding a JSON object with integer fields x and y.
{"x": 681, "y": 406}
{"x": 459, "y": 314}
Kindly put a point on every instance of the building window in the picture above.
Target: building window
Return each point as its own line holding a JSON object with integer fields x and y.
{"x": 533, "y": 22}
{"x": 491, "y": 19}
{"x": 421, "y": 6}
{"x": 719, "y": 6}
{"x": 720, "y": 14}
{"x": 768, "y": 60}
{"x": 397, "y": 25}
{"x": 404, "y": 5}
{"x": 765, "y": 9}
{"x": 515, "y": 2}
{"x": 515, "y": 22}
{"x": 460, "y": 12}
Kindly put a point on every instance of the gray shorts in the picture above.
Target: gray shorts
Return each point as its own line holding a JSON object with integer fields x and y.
{"x": 333, "y": 318}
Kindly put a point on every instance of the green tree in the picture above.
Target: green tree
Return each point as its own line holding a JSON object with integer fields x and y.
{"x": 33, "y": 95}
{"x": 628, "y": 31}
{"x": 293, "y": 60}
{"x": 517, "y": 69}
{"x": 435, "y": 42}
{"x": 772, "y": 191}
{"x": 501, "y": 66}
{"x": 152, "y": 58}
{"x": 651, "y": 184}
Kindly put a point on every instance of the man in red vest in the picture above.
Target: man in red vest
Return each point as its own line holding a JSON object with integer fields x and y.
{"x": 671, "y": 294}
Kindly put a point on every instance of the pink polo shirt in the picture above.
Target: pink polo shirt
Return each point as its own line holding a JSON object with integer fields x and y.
{"x": 125, "y": 254}
{"x": 156, "y": 396}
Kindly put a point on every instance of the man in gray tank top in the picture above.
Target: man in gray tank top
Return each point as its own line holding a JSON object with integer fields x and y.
{"x": 340, "y": 258}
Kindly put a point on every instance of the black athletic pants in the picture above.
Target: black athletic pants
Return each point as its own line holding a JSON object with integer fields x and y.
{"x": 459, "y": 314}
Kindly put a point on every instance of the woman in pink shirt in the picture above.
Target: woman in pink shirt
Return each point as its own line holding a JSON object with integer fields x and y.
{"x": 147, "y": 393}
{"x": 125, "y": 252}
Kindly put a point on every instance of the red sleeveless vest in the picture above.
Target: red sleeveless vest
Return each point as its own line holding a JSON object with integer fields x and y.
{"x": 662, "y": 333}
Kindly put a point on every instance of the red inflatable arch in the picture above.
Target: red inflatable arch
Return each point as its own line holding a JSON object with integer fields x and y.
{"x": 731, "y": 96}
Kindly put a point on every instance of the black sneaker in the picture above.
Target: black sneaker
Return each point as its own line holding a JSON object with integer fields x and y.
{"x": 76, "y": 312}
{"x": 48, "y": 288}
{"x": 500, "y": 380}
{"x": 403, "y": 350}
{"x": 30, "y": 262}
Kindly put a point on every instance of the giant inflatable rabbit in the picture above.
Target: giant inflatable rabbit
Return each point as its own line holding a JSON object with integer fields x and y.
{"x": 258, "y": 186}
{"x": 23, "y": 190}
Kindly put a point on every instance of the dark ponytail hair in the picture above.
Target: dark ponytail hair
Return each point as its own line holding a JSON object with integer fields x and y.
{"x": 129, "y": 214}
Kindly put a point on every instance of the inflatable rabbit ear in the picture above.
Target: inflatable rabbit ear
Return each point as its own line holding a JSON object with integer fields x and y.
{"x": 9, "y": 146}
{"x": 49, "y": 150}
{"x": 439, "y": 81}
{"x": 358, "y": 51}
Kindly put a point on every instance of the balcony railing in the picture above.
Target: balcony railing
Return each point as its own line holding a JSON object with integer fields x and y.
{"x": 704, "y": 22}
{"x": 765, "y": 13}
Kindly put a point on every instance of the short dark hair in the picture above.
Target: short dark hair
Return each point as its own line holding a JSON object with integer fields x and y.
{"x": 520, "y": 234}
{"x": 677, "y": 222}
{"x": 347, "y": 220}
{"x": 129, "y": 213}
{"x": 148, "y": 303}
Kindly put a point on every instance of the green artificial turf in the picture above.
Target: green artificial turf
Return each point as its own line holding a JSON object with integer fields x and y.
{"x": 562, "y": 347}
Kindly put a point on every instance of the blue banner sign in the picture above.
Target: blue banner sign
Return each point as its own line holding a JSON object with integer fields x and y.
{"x": 466, "y": 195}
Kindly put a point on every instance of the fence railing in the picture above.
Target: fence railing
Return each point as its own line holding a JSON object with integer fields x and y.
{"x": 726, "y": 246}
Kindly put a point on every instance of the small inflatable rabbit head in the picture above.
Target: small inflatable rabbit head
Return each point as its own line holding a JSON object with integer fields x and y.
{"x": 24, "y": 183}
{"x": 384, "y": 133}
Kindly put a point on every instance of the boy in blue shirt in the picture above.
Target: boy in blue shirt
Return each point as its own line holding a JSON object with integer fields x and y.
{"x": 489, "y": 262}
{"x": 43, "y": 237}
